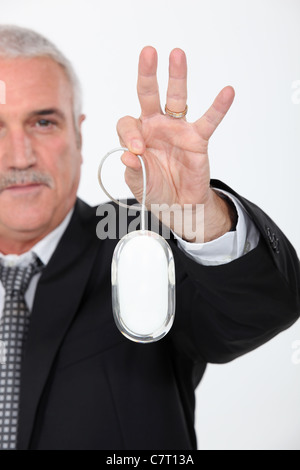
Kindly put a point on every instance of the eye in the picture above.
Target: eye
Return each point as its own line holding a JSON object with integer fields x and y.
{"x": 45, "y": 123}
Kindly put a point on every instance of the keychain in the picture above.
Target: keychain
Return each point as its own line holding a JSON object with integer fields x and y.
{"x": 142, "y": 276}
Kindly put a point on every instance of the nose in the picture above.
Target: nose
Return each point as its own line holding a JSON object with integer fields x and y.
{"x": 19, "y": 151}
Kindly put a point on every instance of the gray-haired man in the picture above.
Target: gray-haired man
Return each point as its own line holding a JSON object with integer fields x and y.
{"x": 71, "y": 380}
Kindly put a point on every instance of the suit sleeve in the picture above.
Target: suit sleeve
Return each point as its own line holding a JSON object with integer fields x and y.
{"x": 226, "y": 311}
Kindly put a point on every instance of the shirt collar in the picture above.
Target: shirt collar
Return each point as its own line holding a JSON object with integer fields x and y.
{"x": 44, "y": 249}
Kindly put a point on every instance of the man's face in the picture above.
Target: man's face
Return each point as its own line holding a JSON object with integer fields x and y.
{"x": 40, "y": 156}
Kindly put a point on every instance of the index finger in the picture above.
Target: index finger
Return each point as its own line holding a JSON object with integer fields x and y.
{"x": 147, "y": 86}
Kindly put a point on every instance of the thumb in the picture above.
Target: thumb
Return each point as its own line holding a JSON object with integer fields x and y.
{"x": 131, "y": 161}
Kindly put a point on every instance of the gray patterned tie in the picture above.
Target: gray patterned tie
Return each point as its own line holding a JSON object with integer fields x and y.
{"x": 14, "y": 326}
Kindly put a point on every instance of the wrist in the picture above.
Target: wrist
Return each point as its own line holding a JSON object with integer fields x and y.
{"x": 232, "y": 209}
{"x": 220, "y": 216}
{"x": 199, "y": 223}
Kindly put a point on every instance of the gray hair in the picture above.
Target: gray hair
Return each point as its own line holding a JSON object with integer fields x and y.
{"x": 22, "y": 42}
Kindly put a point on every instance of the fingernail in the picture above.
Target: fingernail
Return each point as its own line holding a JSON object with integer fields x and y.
{"x": 137, "y": 146}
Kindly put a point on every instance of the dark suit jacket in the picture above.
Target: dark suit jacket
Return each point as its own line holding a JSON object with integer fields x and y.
{"x": 84, "y": 386}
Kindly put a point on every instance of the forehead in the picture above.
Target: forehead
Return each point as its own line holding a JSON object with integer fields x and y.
{"x": 34, "y": 83}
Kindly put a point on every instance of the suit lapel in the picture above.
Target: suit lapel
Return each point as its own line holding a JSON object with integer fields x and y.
{"x": 58, "y": 295}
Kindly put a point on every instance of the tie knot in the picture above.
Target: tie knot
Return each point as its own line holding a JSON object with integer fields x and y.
{"x": 16, "y": 279}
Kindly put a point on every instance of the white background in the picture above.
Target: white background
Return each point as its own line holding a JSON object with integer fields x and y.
{"x": 253, "y": 45}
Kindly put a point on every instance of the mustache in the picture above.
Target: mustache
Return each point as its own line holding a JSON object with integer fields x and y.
{"x": 24, "y": 177}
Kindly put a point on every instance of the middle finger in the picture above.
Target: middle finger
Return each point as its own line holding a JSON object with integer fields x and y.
{"x": 147, "y": 87}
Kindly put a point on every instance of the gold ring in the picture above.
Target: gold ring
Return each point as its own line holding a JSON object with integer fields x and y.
{"x": 176, "y": 115}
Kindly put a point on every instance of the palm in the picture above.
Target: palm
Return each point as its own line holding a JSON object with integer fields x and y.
{"x": 176, "y": 161}
{"x": 174, "y": 151}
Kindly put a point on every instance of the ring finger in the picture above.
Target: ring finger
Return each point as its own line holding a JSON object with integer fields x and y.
{"x": 177, "y": 88}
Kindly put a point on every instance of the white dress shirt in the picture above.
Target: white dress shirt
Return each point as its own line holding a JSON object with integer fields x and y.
{"x": 227, "y": 248}
{"x": 231, "y": 246}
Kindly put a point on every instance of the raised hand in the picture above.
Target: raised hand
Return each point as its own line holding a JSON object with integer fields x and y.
{"x": 175, "y": 151}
